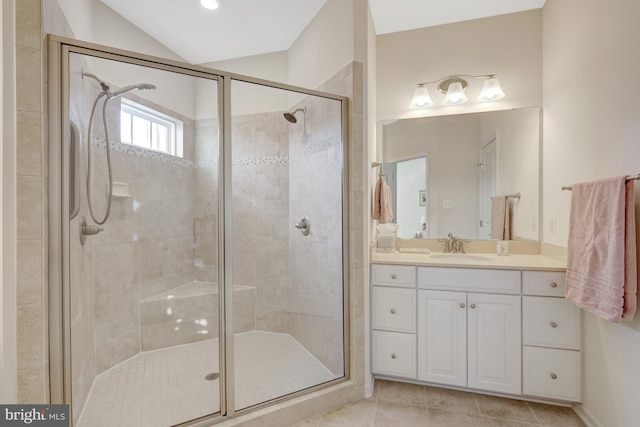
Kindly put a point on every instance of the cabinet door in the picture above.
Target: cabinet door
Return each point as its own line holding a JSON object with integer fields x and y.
{"x": 494, "y": 346}
{"x": 442, "y": 337}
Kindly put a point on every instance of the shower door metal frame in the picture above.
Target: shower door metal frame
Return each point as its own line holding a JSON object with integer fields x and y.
{"x": 59, "y": 49}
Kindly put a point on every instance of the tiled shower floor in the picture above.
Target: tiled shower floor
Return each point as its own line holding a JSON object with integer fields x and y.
{"x": 165, "y": 387}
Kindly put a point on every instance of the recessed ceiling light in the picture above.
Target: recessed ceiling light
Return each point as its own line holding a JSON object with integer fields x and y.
{"x": 210, "y": 4}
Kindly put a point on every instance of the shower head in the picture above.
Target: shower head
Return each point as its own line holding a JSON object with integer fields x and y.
{"x": 105, "y": 87}
{"x": 291, "y": 117}
{"x": 144, "y": 87}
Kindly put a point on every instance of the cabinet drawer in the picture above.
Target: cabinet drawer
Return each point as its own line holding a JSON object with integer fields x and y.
{"x": 394, "y": 354}
{"x": 394, "y": 309}
{"x": 550, "y": 322}
{"x": 545, "y": 283}
{"x": 393, "y": 275}
{"x": 469, "y": 279}
{"x": 552, "y": 373}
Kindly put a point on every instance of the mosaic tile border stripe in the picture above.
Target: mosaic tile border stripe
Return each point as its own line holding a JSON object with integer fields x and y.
{"x": 248, "y": 161}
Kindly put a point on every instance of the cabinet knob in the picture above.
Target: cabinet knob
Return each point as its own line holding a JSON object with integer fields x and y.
{"x": 393, "y": 311}
{"x": 554, "y": 285}
{"x": 554, "y": 376}
{"x": 393, "y": 356}
{"x": 472, "y": 306}
{"x": 393, "y": 276}
{"x": 554, "y": 325}
{"x": 462, "y": 305}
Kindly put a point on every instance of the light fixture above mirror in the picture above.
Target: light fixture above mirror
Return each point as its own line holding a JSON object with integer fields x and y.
{"x": 454, "y": 89}
{"x": 210, "y": 4}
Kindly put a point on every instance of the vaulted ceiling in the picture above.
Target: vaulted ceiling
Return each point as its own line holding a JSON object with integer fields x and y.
{"x": 252, "y": 27}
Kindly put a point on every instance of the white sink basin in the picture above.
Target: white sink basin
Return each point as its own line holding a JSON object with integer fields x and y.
{"x": 460, "y": 257}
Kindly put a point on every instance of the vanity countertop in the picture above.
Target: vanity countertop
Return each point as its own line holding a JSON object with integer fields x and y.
{"x": 474, "y": 260}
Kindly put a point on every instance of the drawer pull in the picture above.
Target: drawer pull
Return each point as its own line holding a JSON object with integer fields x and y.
{"x": 393, "y": 276}
{"x": 462, "y": 305}
{"x": 393, "y": 356}
{"x": 393, "y": 311}
{"x": 554, "y": 285}
{"x": 554, "y": 377}
{"x": 472, "y": 306}
{"x": 554, "y": 325}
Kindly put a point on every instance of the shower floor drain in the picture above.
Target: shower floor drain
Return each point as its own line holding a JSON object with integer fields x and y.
{"x": 212, "y": 376}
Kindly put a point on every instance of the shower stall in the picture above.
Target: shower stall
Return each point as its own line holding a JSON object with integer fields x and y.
{"x": 197, "y": 228}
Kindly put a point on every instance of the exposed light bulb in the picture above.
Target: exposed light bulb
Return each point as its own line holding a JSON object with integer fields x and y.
{"x": 210, "y": 4}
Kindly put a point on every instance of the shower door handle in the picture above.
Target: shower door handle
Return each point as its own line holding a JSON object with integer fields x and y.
{"x": 304, "y": 225}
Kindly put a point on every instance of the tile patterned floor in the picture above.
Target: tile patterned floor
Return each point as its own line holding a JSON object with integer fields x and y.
{"x": 164, "y": 387}
{"x": 397, "y": 404}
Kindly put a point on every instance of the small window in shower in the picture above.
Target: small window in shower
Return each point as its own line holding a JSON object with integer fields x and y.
{"x": 145, "y": 127}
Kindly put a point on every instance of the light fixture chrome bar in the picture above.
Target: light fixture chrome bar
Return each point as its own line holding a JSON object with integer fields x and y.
{"x": 454, "y": 87}
{"x": 453, "y": 76}
{"x": 635, "y": 177}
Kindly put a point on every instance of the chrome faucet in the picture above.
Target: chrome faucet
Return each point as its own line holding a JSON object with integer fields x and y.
{"x": 449, "y": 244}
{"x": 453, "y": 244}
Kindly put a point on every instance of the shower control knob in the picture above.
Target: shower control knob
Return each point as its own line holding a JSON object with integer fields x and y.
{"x": 91, "y": 230}
{"x": 304, "y": 225}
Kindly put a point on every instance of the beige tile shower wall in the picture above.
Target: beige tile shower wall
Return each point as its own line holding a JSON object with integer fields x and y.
{"x": 315, "y": 312}
{"x": 206, "y": 201}
{"x": 260, "y": 179}
{"x": 31, "y": 183}
{"x": 147, "y": 245}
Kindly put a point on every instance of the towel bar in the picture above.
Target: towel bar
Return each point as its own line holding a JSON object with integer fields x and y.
{"x": 629, "y": 178}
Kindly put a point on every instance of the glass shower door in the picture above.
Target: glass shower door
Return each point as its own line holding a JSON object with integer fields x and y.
{"x": 144, "y": 306}
{"x": 287, "y": 240}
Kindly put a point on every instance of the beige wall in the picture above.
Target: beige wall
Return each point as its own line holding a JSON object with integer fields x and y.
{"x": 324, "y": 47}
{"x": 591, "y": 132}
{"x": 472, "y": 47}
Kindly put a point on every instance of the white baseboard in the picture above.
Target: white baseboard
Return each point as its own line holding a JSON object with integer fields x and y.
{"x": 586, "y": 416}
{"x": 368, "y": 386}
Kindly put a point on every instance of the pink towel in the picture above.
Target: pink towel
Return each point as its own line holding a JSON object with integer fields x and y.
{"x": 500, "y": 222}
{"x": 601, "y": 264}
{"x": 382, "y": 202}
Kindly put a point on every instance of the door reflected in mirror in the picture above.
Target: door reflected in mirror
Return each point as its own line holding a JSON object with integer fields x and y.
{"x": 408, "y": 182}
{"x": 455, "y": 164}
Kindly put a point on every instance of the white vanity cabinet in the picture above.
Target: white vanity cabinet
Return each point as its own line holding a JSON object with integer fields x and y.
{"x": 393, "y": 339}
{"x": 506, "y": 331}
{"x": 470, "y": 339}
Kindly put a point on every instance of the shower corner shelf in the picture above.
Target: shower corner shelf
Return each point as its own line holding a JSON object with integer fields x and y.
{"x": 121, "y": 190}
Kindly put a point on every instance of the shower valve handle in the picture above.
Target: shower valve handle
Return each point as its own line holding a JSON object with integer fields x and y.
{"x": 90, "y": 230}
{"x": 304, "y": 225}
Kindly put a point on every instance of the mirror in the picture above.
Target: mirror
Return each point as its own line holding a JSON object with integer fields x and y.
{"x": 444, "y": 170}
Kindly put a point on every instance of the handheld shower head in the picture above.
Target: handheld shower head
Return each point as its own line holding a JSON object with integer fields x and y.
{"x": 144, "y": 87}
{"x": 291, "y": 117}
